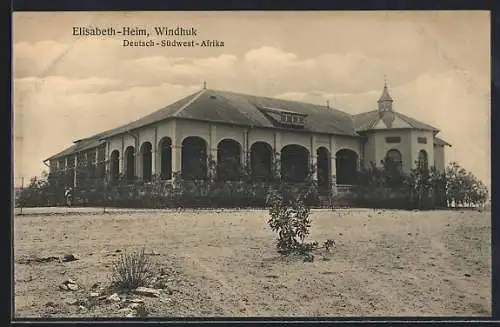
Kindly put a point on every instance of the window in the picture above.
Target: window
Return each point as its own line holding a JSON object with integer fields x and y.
{"x": 290, "y": 118}
{"x": 394, "y": 159}
{"x": 423, "y": 159}
{"x": 422, "y": 140}
{"x": 393, "y": 139}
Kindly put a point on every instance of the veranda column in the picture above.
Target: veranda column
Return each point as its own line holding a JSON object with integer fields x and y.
{"x": 212, "y": 145}
{"x": 137, "y": 158}
{"x": 154, "y": 152}
{"x": 75, "y": 170}
{"x": 245, "y": 151}
{"x": 88, "y": 169}
{"x": 96, "y": 162}
{"x": 176, "y": 149}
{"x": 314, "y": 158}
{"x": 65, "y": 170}
{"x": 277, "y": 152}
{"x": 122, "y": 157}
{"x": 333, "y": 165}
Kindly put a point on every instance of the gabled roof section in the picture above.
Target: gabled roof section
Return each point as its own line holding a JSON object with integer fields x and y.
{"x": 156, "y": 116}
{"x": 320, "y": 119}
{"x": 441, "y": 142}
{"x": 246, "y": 110}
{"x": 370, "y": 121}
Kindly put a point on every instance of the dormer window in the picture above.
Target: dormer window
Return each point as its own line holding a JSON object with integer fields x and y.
{"x": 285, "y": 117}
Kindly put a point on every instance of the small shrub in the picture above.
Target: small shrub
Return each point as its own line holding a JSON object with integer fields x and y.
{"x": 132, "y": 270}
{"x": 289, "y": 213}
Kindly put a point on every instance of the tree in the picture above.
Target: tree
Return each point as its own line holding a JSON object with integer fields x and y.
{"x": 463, "y": 188}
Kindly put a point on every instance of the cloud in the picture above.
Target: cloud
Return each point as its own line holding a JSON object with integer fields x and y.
{"x": 157, "y": 69}
{"x": 31, "y": 59}
{"x": 93, "y": 87}
{"x": 46, "y": 120}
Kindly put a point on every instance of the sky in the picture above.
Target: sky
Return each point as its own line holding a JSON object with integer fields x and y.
{"x": 66, "y": 87}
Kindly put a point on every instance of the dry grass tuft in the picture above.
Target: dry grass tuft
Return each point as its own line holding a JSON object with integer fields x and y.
{"x": 132, "y": 270}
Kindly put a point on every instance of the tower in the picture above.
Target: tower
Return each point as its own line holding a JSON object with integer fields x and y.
{"x": 385, "y": 107}
{"x": 385, "y": 101}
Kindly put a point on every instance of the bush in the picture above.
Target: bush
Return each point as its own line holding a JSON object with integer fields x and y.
{"x": 421, "y": 188}
{"x": 132, "y": 270}
{"x": 463, "y": 188}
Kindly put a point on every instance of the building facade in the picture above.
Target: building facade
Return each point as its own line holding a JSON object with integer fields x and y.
{"x": 236, "y": 130}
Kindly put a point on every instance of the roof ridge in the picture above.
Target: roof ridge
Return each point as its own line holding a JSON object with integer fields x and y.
{"x": 288, "y": 100}
{"x": 237, "y": 107}
{"x": 405, "y": 118}
{"x": 196, "y": 97}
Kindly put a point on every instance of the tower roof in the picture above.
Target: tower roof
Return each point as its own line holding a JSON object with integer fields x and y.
{"x": 385, "y": 95}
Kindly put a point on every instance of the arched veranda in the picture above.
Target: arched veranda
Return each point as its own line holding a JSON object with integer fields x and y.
{"x": 228, "y": 160}
{"x": 346, "y": 162}
{"x": 194, "y": 158}
{"x": 130, "y": 163}
{"x": 323, "y": 169}
{"x": 295, "y": 162}
{"x": 261, "y": 160}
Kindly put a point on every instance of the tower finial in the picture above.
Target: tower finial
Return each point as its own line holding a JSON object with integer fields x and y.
{"x": 385, "y": 80}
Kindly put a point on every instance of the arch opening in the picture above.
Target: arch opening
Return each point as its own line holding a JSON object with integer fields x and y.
{"x": 294, "y": 163}
{"x": 346, "y": 162}
{"x": 228, "y": 160}
{"x": 114, "y": 168}
{"x": 194, "y": 158}
{"x": 423, "y": 159}
{"x": 323, "y": 169}
{"x": 394, "y": 160}
{"x": 130, "y": 163}
{"x": 147, "y": 161}
{"x": 261, "y": 159}
{"x": 165, "y": 146}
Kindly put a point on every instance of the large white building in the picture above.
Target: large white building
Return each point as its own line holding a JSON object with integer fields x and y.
{"x": 225, "y": 126}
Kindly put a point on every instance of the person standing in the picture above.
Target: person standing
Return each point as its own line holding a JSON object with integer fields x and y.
{"x": 68, "y": 195}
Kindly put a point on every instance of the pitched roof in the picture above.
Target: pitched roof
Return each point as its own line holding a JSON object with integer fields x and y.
{"x": 248, "y": 110}
{"x": 233, "y": 108}
{"x": 441, "y": 142}
{"x": 80, "y": 145}
{"x": 368, "y": 120}
{"x": 242, "y": 109}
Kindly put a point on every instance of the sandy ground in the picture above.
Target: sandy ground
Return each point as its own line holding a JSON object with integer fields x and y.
{"x": 223, "y": 263}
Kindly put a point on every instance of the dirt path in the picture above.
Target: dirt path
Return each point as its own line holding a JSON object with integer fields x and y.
{"x": 394, "y": 263}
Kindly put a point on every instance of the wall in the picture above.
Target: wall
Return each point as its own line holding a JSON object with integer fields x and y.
{"x": 213, "y": 133}
{"x": 417, "y": 147}
{"x": 439, "y": 159}
{"x": 377, "y": 147}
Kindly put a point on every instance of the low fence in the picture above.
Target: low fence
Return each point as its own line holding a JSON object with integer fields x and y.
{"x": 157, "y": 194}
{"x": 204, "y": 194}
